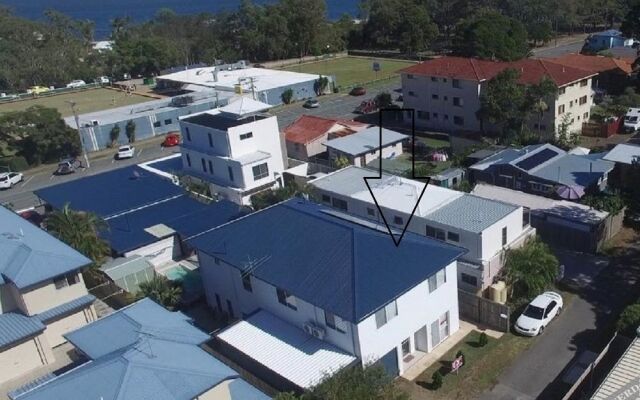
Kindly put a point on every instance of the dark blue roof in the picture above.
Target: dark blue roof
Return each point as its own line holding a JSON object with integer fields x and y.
{"x": 183, "y": 214}
{"x": 112, "y": 192}
{"x": 340, "y": 266}
{"x": 15, "y": 327}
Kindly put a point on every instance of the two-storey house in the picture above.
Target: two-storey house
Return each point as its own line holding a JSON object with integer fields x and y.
{"x": 445, "y": 93}
{"x": 319, "y": 290}
{"x": 42, "y": 295}
{"x": 237, "y": 150}
{"x": 484, "y": 227}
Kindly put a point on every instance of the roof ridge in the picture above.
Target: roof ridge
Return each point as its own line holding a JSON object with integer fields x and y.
{"x": 473, "y": 67}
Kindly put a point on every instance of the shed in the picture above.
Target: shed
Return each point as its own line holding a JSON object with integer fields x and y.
{"x": 129, "y": 272}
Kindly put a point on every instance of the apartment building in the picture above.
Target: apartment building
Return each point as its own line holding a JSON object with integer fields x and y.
{"x": 318, "y": 290}
{"x": 42, "y": 295}
{"x": 485, "y": 228}
{"x": 446, "y": 91}
{"x": 237, "y": 149}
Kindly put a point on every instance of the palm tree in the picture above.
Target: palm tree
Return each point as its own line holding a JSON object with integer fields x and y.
{"x": 79, "y": 230}
{"x": 162, "y": 291}
{"x": 530, "y": 269}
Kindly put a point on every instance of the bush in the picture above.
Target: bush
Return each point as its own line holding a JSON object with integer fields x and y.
{"x": 17, "y": 163}
{"x": 460, "y": 354}
{"x": 629, "y": 320}
{"x": 436, "y": 380}
{"x": 287, "y": 96}
{"x": 483, "y": 339}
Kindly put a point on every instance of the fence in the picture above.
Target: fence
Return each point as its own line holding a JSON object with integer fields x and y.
{"x": 604, "y": 130}
{"x": 48, "y": 93}
{"x": 483, "y": 311}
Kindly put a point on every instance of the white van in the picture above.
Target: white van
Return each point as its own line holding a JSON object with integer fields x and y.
{"x": 632, "y": 120}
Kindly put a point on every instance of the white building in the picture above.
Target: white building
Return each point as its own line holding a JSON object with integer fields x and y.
{"x": 486, "y": 228}
{"x": 236, "y": 149}
{"x": 318, "y": 290}
{"x": 362, "y": 147}
{"x": 446, "y": 91}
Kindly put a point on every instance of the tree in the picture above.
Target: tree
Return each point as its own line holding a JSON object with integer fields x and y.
{"x": 530, "y": 269}
{"x": 321, "y": 84}
{"x": 287, "y": 96}
{"x": 270, "y": 197}
{"x": 629, "y": 321}
{"x": 162, "y": 291}
{"x": 537, "y": 99}
{"x": 491, "y": 35}
{"x": 436, "y": 380}
{"x": 483, "y": 339}
{"x": 502, "y": 103}
{"x": 341, "y": 162}
{"x": 383, "y": 100}
{"x": 114, "y": 135}
{"x": 80, "y": 230}
{"x": 130, "y": 131}
{"x": 610, "y": 203}
{"x": 563, "y": 137}
{"x": 631, "y": 24}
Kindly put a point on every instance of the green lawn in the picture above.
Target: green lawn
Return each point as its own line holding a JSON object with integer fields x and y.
{"x": 352, "y": 70}
{"x": 89, "y": 100}
{"x": 482, "y": 367}
{"x": 433, "y": 143}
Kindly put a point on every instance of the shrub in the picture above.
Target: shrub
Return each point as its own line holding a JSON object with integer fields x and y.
{"x": 483, "y": 339}
{"x": 436, "y": 380}
{"x": 629, "y": 320}
{"x": 460, "y": 354}
{"x": 130, "y": 130}
{"x": 287, "y": 96}
{"x": 17, "y": 163}
{"x": 114, "y": 135}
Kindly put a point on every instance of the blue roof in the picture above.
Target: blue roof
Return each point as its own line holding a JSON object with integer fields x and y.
{"x": 141, "y": 352}
{"x": 66, "y": 308}
{"x": 111, "y": 193}
{"x": 30, "y": 255}
{"x": 183, "y": 214}
{"x": 15, "y": 327}
{"x": 340, "y": 266}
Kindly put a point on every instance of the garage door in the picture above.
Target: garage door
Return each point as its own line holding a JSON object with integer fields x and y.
{"x": 18, "y": 360}
{"x": 390, "y": 363}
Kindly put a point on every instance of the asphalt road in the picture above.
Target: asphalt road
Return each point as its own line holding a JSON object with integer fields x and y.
{"x": 21, "y": 196}
{"x": 550, "y": 52}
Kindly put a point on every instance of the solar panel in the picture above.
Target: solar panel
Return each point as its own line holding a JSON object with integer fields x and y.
{"x": 537, "y": 159}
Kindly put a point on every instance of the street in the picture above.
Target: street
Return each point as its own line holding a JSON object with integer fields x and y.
{"x": 565, "y": 46}
{"x": 21, "y": 196}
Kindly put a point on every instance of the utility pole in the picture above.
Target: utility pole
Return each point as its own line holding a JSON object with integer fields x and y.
{"x": 72, "y": 104}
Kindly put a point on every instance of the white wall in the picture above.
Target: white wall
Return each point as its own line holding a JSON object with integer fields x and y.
{"x": 573, "y": 93}
{"x": 46, "y": 296}
{"x": 23, "y": 358}
{"x": 160, "y": 252}
{"x": 59, "y": 327}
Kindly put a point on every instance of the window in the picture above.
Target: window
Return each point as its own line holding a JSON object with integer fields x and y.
{"x": 457, "y": 101}
{"x": 423, "y": 115}
{"x": 444, "y": 80}
{"x": 66, "y": 280}
{"x": 210, "y": 139}
{"x": 210, "y": 167}
{"x": 398, "y": 220}
{"x": 504, "y": 236}
{"x": 204, "y": 165}
{"x": 326, "y": 198}
{"x": 561, "y": 109}
{"x": 412, "y": 93}
{"x": 571, "y": 104}
{"x": 583, "y": 100}
{"x": 436, "y": 280}
{"x": 246, "y": 282}
{"x": 406, "y": 347}
{"x": 446, "y": 98}
{"x": 339, "y": 203}
{"x": 286, "y": 299}
{"x": 409, "y": 76}
{"x": 230, "y": 171}
{"x": 584, "y": 82}
{"x": 455, "y": 83}
{"x": 246, "y": 136}
{"x": 434, "y": 96}
{"x": 435, "y": 233}
{"x": 187, "y": 133}
{"x": 469, "y": 279}
{"x": 167, "y": 121}
{"x": 458, "y": 120}
{"x": 446, "y": 117}
{"x": 585, "y": 115}
{"x": 157, "y": 124}
{"x": 260, "y": 171}
{"x": 216, "y": 260}
{"x": 386, "y": 314}
{"x": 371, "y": 211}
{"x": 434, "y": 79}
{"x": 334, "y": 322}
{"x": 188, "y": 160}
{"x": 561, "y": 91}
{"x": 435, "y": 115}
{"x": 454, "y": 237}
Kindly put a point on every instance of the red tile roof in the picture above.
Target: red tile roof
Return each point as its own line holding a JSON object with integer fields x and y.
{"x": 531, "y": 70}
{"x": 594, "y": 64}
{"x": 308, "y": 128}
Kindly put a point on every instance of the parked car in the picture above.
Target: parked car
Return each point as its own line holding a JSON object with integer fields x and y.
{"x": 311, "y": 103}
{"x": 104, "y": 80}
{"x": 538, "y": 314}
{"x": 632, "y": 120}
{"x": 37, "y": 89}
{"x": 126, "y": 151}
{"x": 366, "y": 107}
{"x": 8, "y": 179}
{"x": 172, "y": 139}
{"x": 68, "y": 166}
{"x": 33, "y": 216}
{"x": 358, "y": 91}
{"x": 76, "y": 83}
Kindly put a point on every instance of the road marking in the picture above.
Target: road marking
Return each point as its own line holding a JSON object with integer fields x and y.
{"x": 27, "y": 181}
{"x": 140, "y": 152}
{"x": 52, "y": 176}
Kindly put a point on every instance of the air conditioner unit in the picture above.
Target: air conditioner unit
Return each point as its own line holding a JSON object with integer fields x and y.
{"x": 308, "y": 328}
{"x": 313, "y": 330}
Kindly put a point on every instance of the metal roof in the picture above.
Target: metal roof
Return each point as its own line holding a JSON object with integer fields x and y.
{"x": 340, "y": 266}
{"x": 111, "y": 193}
{"x": 365, "y": 141}
{"x": 623, "y": 153}
{"x": 286, "y": 349}
{"x": 471, "y": 213}
{"x": 66, "y": 308}
{"x": 30, "y": 255}
{"x": 623, "y": 374}
{"x": 15, "y": 327}
{"x": 216, "y": 120}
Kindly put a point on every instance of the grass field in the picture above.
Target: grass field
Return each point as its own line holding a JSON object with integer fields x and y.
{"x": 351, "y": 70}
{"x": 87, "y": 101}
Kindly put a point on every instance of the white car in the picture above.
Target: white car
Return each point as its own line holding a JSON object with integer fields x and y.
{"x": 9, "y": 179}
{"x": 126, "y": 151}
{"x": 632, "y": 120}
{"x": 76, "y": 84}
{"x": 539, "y": 313}
{"x": 103, "y": 80}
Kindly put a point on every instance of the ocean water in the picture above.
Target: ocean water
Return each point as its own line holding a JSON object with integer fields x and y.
{"x": 103, "y": 11}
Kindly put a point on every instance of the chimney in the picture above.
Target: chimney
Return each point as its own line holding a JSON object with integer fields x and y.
{"x": 214, "y": 73}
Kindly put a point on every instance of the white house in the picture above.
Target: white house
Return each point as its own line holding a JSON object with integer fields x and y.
{"x": 362, "y": 147}
{"x": 318, "y": 290}
{"x": 446, "y": 91}
{"x": 486, "y": 228}
{"x": 236, "y": 149}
